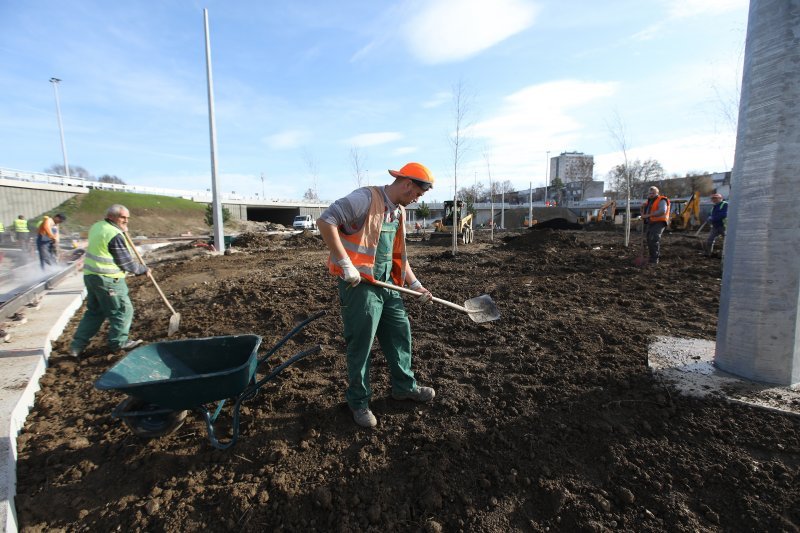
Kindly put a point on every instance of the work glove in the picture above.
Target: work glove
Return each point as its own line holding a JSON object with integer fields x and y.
{"x": 425, "y": 295}
{"x": 350, "y": 274}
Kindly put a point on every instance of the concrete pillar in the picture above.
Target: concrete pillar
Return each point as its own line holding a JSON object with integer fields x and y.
{"x": 758, "y": 336}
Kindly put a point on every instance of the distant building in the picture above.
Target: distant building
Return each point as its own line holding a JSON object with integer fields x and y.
{"x": 572, "y": 166}
{"x": 576, "y": 191}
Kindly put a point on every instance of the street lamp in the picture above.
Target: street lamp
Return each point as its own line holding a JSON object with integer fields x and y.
{"x": 263, "y": 193}
{"x": 55, "y": 81}
{"x": 546, "y": 176}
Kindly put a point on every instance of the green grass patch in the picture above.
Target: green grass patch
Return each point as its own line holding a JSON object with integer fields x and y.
{"x": 97, "y": 202}
{"x": 164, "y": 211}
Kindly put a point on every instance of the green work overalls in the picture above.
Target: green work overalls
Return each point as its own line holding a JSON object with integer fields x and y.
{"x": 106, "y": 298}
{"x": 368, "y": 311}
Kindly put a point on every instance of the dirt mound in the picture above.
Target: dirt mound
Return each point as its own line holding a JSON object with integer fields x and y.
{"x": 305, "y": 239}
{"x": 545, "y": 420}
{"x": 255, "y": 240}
{"x": 556, "y": 223}
{"x": 538, "y": 238}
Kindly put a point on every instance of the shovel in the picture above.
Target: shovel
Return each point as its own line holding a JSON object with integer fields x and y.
{"x": 480, "y": 309}
{"x": 175, "y": 319}
{"x": 642, "y": 259}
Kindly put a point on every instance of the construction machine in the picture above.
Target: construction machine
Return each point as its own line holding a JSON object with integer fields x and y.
{"x": 463, "y": 226}
{"x": 607, "y": 212}
{"x": 685, "y": 214}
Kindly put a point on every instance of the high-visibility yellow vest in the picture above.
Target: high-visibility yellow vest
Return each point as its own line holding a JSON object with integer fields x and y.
{"x": 2, "y": 228}
{"x": 98, "y": 260}
{"x": 21, "y": 226}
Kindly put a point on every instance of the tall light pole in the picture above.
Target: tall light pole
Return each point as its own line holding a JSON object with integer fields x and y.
{"x": 263, "y": 193}
{"x": 55, "y": 81}
{"x": 546, "y": 176}
{"x": 216, "y": 197}
{"x": 530, "y": 204}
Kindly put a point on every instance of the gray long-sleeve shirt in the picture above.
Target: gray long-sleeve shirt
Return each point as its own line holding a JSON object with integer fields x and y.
{"x": 350, "y": 212}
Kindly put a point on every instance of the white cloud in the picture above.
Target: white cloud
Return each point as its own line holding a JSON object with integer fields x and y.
{"x": 651, "y": 32}
{"x": 706, "y": 152}
{"x": 403, "y": 150}
{"x": 693, "y": 8}
{"x": 540, "y": 111}
{"x": 437, "y": 100}
{"x": 682, "y": 9}
{"x": 452, "y": 30}
{"x": 286, "y": 140}
{"x": 373, "y": 139}
{"x": 531, "y": 121}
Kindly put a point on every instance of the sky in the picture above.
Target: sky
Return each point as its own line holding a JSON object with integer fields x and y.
{"x": 304, "y": 89}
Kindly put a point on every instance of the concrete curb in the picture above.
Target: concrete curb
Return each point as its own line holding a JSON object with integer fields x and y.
{"x": 24, "y": 361}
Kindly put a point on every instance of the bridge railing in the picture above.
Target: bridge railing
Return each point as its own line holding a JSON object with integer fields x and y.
{"x": 195, "y": 195}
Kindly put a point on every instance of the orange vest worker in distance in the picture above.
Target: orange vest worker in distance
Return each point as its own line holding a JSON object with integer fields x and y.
{"x": 655, "y": 214}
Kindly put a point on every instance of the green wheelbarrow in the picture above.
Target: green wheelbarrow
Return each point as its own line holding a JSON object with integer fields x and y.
{"x": 165, "y": 380}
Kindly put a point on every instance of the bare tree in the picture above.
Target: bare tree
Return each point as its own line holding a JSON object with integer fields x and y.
{"x": 74, "y": 171}
{"x": 105, "y": 178}
{"x": 459, "y": 144}
{"x": 616, "y": 129}
{"x": 472, "y": 195}
{"x": 636, "y": 177}
{"x": 357, "y": 163}
{"x": 584, "y": 170}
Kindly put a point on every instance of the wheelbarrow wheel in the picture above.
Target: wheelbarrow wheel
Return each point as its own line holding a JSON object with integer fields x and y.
{"x": 150, "y": 426}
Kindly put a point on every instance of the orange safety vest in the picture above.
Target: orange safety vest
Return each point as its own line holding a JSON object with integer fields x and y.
{"x": 362, "y": 245}
{"x": 654, "y": 208}
{"x": 48, "y": 228}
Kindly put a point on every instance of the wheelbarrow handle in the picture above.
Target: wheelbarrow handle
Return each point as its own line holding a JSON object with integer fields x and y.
{"x": 280, "y": 368}
{"x": 291, "y": 334}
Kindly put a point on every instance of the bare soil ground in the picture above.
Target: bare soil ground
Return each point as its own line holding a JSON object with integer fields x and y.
{"x": 546, "y": 420}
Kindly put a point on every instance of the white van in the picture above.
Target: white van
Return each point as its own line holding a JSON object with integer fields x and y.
{"x": 304, "y": 222}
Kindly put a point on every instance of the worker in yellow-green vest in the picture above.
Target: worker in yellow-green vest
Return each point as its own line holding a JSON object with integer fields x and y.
{"x": 105, "y": 265}
{"x": 23, "y": 233}
{"x": 2, "y": 233}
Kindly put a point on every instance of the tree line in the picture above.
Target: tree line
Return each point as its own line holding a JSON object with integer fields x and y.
{"x": 81, "y": 173}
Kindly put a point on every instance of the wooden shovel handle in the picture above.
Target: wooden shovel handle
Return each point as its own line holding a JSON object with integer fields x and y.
{"x": 149, "y": 274}
{"x": 415, "y": 293}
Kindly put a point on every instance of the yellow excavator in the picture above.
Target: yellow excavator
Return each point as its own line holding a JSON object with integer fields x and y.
{"x": 610, "y": 207}
{"x": 685, "y": 214}
{"x": 463, "y": 222}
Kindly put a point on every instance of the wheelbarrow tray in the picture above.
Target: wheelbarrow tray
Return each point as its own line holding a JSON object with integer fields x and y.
{"x": 185, "y": 374}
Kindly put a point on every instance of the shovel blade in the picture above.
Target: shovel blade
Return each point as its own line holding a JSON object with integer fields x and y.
{"x": 482, "y": 309}
{"x": 174, "y": 324}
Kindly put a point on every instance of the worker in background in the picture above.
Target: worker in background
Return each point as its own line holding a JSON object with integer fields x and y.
{"x": 2, "y": 233}
{"x": 718, "y": 220}
{"x": 107, "y": 260}
{"x": 23, "y": 233}
{"x": 47, "y": 239}
{"x": 655, "y": 215}
{"x": 365, "y": 234}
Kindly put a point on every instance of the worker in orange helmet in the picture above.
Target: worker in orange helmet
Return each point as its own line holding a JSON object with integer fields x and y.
{"x": 366, "y": 236}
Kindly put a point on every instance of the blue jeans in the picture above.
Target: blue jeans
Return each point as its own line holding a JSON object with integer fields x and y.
{"x": 47, "y": 251}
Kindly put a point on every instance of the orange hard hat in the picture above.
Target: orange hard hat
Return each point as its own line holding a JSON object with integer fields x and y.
{"x": 416, "y": 172}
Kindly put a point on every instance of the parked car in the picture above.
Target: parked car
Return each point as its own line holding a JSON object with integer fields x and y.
{"x": 302, "y": 222}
